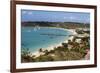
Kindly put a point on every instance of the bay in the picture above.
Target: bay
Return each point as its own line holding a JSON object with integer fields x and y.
{"x": 35, "y": 38}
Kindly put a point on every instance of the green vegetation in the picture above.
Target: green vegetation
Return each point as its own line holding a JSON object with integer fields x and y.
{"x": 68, "y": 25}
{"x": 60, "y": 53}
{"x": 72, "y": 50}
{"x": 26, "y": 56}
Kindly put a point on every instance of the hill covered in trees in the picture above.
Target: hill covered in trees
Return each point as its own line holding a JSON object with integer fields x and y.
{"x": 67, "y": 25}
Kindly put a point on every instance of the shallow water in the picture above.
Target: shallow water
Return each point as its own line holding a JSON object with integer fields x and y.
{"x": 43, "y": 37}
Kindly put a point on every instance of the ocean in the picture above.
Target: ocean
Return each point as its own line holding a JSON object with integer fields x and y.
{"x": 34, "y": 38}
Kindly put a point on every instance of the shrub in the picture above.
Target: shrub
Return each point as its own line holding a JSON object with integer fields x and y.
{"x": 26, "y": 56}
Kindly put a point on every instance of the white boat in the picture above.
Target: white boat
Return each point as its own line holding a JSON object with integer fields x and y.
{"x": 36, "y": 28}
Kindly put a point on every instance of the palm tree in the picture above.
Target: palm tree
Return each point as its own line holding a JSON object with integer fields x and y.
{"x": 40, "y": 50}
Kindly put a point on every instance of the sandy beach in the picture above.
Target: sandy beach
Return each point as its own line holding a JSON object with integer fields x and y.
{"x": 37, "y": 53}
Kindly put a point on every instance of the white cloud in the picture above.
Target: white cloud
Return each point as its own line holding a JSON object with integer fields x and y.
{"x": 71, "y": 17}
{"x": 30, "y": 13}
{"x": 24, "y": 12}
{"x": 27, "y": 12}
{"x": 65, "y": 17}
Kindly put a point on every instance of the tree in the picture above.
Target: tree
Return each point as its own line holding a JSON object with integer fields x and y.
{"x": 26, "y": 56}
{"x": 40, "y": 50}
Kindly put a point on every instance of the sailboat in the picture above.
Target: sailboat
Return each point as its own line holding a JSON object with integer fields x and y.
{"x": 36, "y": 27}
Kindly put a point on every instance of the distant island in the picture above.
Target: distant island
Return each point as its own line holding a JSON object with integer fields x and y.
{"x": 67, "y": 25}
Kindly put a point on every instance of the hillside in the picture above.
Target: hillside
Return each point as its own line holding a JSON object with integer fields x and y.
{"x": 67, "y": 25}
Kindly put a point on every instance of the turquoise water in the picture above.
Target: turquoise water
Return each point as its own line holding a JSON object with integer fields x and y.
{"x": 43, "y": 37}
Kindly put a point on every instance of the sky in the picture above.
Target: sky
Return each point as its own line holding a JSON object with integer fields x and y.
{"x": 54, "y": 16}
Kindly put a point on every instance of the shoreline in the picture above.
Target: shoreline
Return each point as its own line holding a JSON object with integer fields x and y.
{"x": 37, "y": 53}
